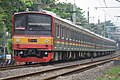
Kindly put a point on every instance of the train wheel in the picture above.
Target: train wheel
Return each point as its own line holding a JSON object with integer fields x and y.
{"x": 28, "y": 63}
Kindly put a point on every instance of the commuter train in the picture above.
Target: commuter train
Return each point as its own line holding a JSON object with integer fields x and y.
{"x": 43, "y": 37}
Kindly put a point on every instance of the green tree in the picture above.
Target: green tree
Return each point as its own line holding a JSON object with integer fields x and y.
{"x": 65, "y": 10}
{"x": 99, "y": 28}
{"x": 9, "y": 46}
{"x": 7, "y": 9}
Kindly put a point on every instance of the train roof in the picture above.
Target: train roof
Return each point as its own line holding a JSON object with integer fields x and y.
{"x": 80, "y": 27}
{"x": 66, "y": 21}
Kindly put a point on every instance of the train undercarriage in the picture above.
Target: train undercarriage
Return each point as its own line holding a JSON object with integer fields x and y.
{"x": 75, "y": 55}
{"x": 34, "y": 55}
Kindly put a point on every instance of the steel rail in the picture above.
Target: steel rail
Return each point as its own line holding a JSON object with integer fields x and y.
{"x": 74, "y": 68}
{"x": 17, "y": 67}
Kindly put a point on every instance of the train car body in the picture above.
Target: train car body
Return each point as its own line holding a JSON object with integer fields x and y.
{"x": 43, "y": 36}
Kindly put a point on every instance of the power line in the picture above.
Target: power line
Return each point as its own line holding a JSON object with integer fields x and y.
{"x": 109, "y": 15}
{"x": 118, "y": 0}
{"x": 108, "y": 7}
{"x": 117, "y": 19}
{"x": 105, "y": 3}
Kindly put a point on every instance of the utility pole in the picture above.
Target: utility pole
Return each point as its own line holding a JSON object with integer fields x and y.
{"x": 105, "y": 26}
{"x": 98, "y": 20}
{"x": 74, "y": 13}
{"x": 117, "y": 19}
{"x": 88, "y": 15}
{"x": 4, "y": 38}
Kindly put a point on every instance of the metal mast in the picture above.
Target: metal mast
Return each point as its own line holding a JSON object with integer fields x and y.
{"x": 74, "y": 12}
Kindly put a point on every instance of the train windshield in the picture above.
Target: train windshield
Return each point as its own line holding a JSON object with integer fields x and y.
{"x": 20, "y": 22}
{"x": 37, "y": 22}
{"x": 32, "y": 24}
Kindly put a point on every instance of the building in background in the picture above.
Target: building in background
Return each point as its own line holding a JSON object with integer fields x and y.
{"x": 113, "y": 32}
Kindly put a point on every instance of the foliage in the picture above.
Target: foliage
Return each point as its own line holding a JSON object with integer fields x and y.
{"x": 8, "y": 7}
{"x": 9, "y": 46}
{"x": 111, "y": 74}
{"x": 99, "y": 28}
{"x": 65, "y": 10}
{"x": 113, "y": 71}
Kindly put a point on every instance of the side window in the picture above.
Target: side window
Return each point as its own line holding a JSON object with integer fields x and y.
{"x": 83, "y": 37}
{"x": 76, "y": 35}
{"x": 70, "y": 34}
{"x": 58, "y": 31}
{"x": 62, "y": 32}
{"x": 73, "y": 36}
{"x": 78, "y": 38}
{"x": 79, "y": 35}
{"x": 67, "y": 33}
{"x": 87, "y": 38}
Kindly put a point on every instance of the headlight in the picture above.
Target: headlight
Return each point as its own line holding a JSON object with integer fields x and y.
{"x": 18, "y": 40}
{"x": 46, "y": 53}
{"x": 21, "y": 52}
{"x": 46, "y": 41}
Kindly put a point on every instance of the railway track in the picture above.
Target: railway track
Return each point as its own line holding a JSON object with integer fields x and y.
{"x": 17, "y": 67}
{"x": 11, "y": 67}
{"x": 59, "y": 71}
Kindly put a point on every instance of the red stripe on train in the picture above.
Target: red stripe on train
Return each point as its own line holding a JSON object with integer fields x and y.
{"x": 25, "y": 46}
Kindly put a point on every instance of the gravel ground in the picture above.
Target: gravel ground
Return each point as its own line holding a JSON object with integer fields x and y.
{"x": 91, "y": 74}
{"x": 87, "y": 76}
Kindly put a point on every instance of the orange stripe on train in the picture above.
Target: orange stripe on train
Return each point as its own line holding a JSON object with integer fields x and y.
{"x": 33, "y": 40}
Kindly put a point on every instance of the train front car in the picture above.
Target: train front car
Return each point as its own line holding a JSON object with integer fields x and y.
{"x": 32, "y": 37}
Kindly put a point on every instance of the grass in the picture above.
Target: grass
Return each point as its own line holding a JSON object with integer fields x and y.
{"x": 111, "y": 74}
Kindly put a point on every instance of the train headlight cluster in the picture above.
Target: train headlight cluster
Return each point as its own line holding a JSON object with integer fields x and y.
{"x": 46, "y": 53}
{"x": 21, "y": 52}
{"x": 18, "y": 40}
{"x": 46, "y": 41}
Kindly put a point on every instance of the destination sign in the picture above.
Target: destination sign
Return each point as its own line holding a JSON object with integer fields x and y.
{"x": 40, "y": 24}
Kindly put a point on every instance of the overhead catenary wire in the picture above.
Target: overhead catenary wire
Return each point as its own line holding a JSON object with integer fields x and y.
{"x": 107, "y": 13}
{"x": 106, "y": 7}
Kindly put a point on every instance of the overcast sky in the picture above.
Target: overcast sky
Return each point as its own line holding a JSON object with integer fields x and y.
{"x": 99, "y": 13}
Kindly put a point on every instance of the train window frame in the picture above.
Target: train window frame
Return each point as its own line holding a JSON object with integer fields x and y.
{"x": 58, "y": 31}
{"x": 45, "y": 25}
{"x": 67, "y": 36}
{"x": 55, "y": 28}
{"x": 70, "y": 36}
{"x": 26, "y": 31}
{"x": 74, "y": 33}
{"x": 79, "y": 35}
{"x": 20, "y": 28}
{"x": 65, "y": 32}
{"x": 62, "y": 29}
